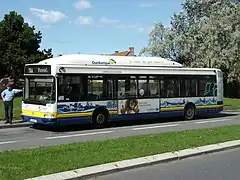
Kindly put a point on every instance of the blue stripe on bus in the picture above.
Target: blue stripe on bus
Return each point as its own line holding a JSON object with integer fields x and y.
{"x": 145, "y": 115}
{"x": 87, "y": 120}
{"x": 74, "y": 120}
{"x": 209, "y": 110}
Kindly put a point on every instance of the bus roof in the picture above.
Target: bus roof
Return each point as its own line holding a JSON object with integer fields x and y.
{"x": 86, "y": 59}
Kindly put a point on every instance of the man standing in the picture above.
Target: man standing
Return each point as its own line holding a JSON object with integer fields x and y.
{"x": 8, "y": 96}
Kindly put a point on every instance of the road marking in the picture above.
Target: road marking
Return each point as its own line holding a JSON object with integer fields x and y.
{"x": 77, "y": 135}
{"x": 8, "y": 142}
{"x": 213, "y": 121}
{"x": 153, "y": 127}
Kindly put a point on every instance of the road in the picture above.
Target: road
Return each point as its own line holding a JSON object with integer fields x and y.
{"x": 26, "y": 137}
{"x": 218, "y": 166}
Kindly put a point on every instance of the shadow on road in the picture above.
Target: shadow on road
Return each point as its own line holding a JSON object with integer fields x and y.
{"x": 129, "y": 123}
{"x": 220, "y": 115}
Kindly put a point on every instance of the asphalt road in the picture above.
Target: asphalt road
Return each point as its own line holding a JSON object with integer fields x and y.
{"x": 218, "y": 166}
{"x": 26, "y": 137}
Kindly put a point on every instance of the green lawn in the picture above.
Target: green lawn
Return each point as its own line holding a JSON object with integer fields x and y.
{"x": 229, "y": 104}
{"x": 41, "y": 161}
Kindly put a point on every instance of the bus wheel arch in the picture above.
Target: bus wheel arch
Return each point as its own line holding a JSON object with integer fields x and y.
{"x": 189, "y": 111}
{"x": 100, "y": 116}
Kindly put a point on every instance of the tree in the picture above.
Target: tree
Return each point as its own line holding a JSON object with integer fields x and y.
{"x": 205, "y": 34}
{"x": 19, "y": 44}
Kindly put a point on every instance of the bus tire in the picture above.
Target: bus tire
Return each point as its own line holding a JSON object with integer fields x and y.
{"x": 189, "y": 112}
{"x": 100, "y": 117}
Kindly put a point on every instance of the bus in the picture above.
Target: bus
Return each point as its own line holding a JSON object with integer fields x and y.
{"x": 99, "y": 89}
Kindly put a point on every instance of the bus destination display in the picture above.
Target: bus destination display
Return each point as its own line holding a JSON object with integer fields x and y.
{"x": 42, "y": 69}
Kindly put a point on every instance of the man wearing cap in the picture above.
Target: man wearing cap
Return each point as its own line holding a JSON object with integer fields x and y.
{"x": 8, "y": 96}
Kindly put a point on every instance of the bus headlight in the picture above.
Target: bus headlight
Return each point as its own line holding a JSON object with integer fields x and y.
{"x": 48, "y": 116}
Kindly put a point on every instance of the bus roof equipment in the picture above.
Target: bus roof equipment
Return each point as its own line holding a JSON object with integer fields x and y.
{"x": 91, "y": 60}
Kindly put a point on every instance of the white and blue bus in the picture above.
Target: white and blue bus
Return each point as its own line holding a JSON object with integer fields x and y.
{"x": 98, "y": 89}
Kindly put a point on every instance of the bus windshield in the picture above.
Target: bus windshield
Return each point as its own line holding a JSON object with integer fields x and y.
{"x": 39, "y": 90}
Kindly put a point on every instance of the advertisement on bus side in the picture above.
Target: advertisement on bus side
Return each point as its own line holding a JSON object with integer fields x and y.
{"x": 135, "y": 106}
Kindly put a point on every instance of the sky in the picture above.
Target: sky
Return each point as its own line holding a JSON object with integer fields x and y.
{"x": 93, "y": 26}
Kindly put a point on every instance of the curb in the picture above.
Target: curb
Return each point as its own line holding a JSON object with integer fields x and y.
{"x": 231, "y": 110}
{"x": 15, "y": 125}
{"x": 104, "y": 169}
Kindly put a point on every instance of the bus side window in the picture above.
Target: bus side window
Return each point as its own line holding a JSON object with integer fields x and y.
{"x": 142, "y": 87}
{"x": 127, "y": 87}
{"x": 121, "y": 89}
{"x": 162, "y": 89}
{"x": 107, "y": 88}
{"x": 95, "y": 88}
{"x": 206, "y": 86}
{"x": 153, "y": 86}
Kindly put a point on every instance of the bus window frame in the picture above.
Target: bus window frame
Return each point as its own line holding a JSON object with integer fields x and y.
{"x": 27, "y": 76}
{"x": 160, "y": 78}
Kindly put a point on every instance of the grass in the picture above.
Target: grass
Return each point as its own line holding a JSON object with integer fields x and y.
{"x": 47, "y": 160}
{"x": 229, "y": 104}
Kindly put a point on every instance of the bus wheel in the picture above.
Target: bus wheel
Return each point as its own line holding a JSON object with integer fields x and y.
{"x": 100, "y": 118}
{"x": 189, "y": 112}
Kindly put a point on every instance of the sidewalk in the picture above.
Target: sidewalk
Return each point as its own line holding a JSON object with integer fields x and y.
{"x": 102, "y": 169}
{"x": 16, "y": 123}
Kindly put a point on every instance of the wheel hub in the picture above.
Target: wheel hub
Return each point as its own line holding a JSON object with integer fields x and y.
{"x": 100, "y": 118}
{"x": 190, "y": 112}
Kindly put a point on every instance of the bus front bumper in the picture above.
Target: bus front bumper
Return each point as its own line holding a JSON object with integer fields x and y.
{"x": 37, "y": 120}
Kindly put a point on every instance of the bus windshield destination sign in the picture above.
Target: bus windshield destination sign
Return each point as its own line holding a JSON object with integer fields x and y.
{"x": 38, "y": 69}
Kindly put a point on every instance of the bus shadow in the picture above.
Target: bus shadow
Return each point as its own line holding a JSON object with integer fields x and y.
{"x": 130, "y": 123}
{"x": 220, "y": 115}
